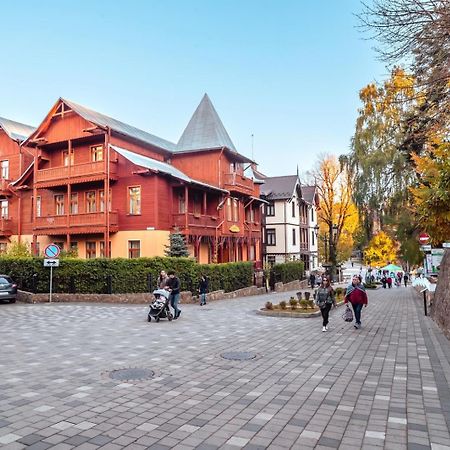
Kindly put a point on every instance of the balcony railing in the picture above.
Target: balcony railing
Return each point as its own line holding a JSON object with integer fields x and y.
{"x": 75, "y": 221}
{"x": 234, "y": 181}
{"x": 77, "y": 171}
{"x": 195, "y": 221}
{"x": 5, "y": 227}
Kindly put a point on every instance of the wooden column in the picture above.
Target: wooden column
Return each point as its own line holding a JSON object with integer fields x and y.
{"x": 186, "y": 206}
{"x": 106, "y": 187}
{"x": 69, "y": 194}
{"x": 205, "y": 205}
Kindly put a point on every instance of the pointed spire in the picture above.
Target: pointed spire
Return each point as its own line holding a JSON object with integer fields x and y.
{"x": 205, "y": 130}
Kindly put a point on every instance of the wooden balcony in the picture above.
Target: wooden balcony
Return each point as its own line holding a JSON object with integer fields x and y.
{"x": 86, "y": 223}
{"x": 5, "y": 227}
{"x": 77, "y": 173}
{"x": 253, "y": 227}
{"x": 235, "y": 182}
{"x": 196, "y": 223}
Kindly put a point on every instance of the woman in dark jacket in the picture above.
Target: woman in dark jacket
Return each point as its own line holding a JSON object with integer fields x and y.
{"x": 203, "y": 289}
{"x": 356, "y": 295}
{"x": 325, "y": 300}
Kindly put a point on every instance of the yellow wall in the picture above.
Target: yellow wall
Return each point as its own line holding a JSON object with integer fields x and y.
{"x": 203, "y": 253}
{"x": 153, "y": 242}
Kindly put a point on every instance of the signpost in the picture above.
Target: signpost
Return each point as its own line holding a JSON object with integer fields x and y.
{"x": 424, "y": 238}
{"x": 51, "y": 252}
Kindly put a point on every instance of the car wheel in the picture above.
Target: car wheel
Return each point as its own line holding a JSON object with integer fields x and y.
{"x": 13, "y": 300}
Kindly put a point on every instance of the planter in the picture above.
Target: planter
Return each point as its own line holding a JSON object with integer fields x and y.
{"x": 307, "y": 295}
{"x": 299, "y": 295}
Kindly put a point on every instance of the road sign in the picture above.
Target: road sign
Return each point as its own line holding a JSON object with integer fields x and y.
{"x": 52, "y": 251}
{"x": 51, "y": 262}
{"x": 426, "y": 248}
{"x": 424, "y": 238}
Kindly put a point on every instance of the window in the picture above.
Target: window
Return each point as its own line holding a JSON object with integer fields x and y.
{"x": 134, "y": 249}
{"x": 102, "y": 249}
{"x": 5, "y": 169}
{"x": 312, "y": 214}
{"x": 73, "y": 203}
{"x": 134, "y": 196}
{"x": 229, "y": 211}
{"x": 3, "y": 247}
{"x": 235, "y": 210}
{"x": 270, "y": 236}
{"x": 197, "y": 204}
{"x": 74, "y": 247}
{"x": 294, "y": 237}
{"x": 293, "y": 208}
{"x": 59, "y": 204}
{"x": 66, "y": 160}
{"x": 90, "y": 202}
{"x": 250, "y": 215}
{"x": 90, "y": 250}
{"x": 181, "y": 203}
{"x": 97, "y": 153}
{"x": 271, "y": 259}
{"x": 270, "y": 209}
{"x": 38, "y": 206}
{"x": 101, "y": 200}
{"x": 60, "y": 245}
{"x": 4, "y": 209}
{"x": 312, "y": 237}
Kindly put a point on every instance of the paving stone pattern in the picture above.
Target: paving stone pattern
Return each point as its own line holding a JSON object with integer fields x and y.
{"x": 383, "y": 386}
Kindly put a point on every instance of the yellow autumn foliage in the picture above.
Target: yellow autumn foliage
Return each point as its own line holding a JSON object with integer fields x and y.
{"x": 381, "y": 250}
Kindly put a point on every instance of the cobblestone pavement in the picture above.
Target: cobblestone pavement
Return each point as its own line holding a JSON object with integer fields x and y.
{"x": 384, "y": 386}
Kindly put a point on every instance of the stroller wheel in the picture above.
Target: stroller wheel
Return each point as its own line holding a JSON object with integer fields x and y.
{"x": 149, "y": 319}
{"x": 170, "y": 317}
{"x": 157, "y": 319}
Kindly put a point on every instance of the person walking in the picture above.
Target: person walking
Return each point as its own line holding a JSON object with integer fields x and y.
{"x": 173, "y": 285}
{"x": 325, "y": 300}
{"x": 405, "y": 279}
{"x": 312, "y": 280}
{"x": 162, "y": 279}
{"x": 203, "y": 289}
{"x": 357, "y": 296}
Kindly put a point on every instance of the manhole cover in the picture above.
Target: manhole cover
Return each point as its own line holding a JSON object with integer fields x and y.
{"x": 131, "y": 374}
{"x": 238, "y": 356}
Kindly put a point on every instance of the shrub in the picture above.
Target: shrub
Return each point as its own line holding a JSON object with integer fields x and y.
{"x": 269, "y": 305}
{"x": 311, "y": 304}
{"x": 293, "y": 303}
{"x": 127, "y": 275}
{"x": 289, "y": 271}
{"x": 304, "y": 304}
{"x": 283, "y": 304}
{"x": 339, "y": 292}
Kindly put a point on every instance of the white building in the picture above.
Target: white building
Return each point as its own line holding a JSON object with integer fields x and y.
{"x": 288, "y": 221}
{"x": 310, "y": 197}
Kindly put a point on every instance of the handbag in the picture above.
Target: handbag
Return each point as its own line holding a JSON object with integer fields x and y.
{"x": 348, "y": 314}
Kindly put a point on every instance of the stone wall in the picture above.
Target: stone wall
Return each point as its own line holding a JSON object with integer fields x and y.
{"x": 291, "y": 286}
{"x": 440, "y": 310}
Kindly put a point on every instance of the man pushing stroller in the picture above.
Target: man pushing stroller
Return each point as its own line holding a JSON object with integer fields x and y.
{"x": 173, "y": 286}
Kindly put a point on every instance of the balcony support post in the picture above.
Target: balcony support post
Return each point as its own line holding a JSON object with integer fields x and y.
{"x": 69, "y": 194}
{"x": 204, "y": 203}
{"x": 106, "y": 187}
{"x": 186, "y": 208}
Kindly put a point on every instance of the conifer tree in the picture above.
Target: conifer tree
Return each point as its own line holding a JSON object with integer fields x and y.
{"x": 177, "y": 245}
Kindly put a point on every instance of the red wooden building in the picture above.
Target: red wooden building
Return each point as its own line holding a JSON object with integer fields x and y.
{"x": 15, "y": 204}
{"x": 106, "y": 188}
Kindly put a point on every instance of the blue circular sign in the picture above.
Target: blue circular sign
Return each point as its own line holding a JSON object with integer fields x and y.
{"x": 52, "y": 251}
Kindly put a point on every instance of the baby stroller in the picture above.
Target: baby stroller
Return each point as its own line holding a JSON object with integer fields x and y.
{"x": 159, "y": 308}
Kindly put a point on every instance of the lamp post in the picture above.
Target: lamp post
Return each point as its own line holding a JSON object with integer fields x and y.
{"x": 325, "y": 240}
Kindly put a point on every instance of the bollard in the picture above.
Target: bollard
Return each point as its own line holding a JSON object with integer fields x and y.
{"x": 34, "y": 283}
{"x": 108, "y": 284}
{"x": 425, "y": 301}
{"x": 150, "y": 283}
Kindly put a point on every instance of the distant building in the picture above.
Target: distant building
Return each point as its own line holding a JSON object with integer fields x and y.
{"x": 310, "y": 197}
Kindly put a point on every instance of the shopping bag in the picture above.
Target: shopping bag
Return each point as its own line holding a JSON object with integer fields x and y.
{"x": 348, "y": 314}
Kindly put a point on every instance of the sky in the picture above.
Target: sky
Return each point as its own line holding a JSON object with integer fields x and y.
{"x": 287, "y": 72}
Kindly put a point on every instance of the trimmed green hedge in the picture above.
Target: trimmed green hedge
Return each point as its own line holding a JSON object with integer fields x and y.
{"x": 289, "y": 271}
{"x": 126, "y": 275}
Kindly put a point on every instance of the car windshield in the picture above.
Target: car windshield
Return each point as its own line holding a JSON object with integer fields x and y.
{"x": 5, "y": 280}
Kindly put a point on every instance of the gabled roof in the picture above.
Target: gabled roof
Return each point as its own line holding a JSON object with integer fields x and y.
{"x": 160, "y": 167}
{"x": 279, "y": 188}
{"x": 310, "y": 195}
{"x": 15, "y": 130}
{"x": 102, "y": 120}
{"x": 205, "y": 130}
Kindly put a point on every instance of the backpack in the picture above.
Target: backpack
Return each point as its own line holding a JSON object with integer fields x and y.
{"x": 348, "y": 314}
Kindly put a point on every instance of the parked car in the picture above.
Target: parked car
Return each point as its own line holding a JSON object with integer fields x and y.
{"x": 8, "y": 289}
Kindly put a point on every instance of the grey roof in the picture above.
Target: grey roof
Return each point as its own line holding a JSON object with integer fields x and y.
{"x": 309, "y": 194}
{"x": 15, "y": 130}
{"x": 160, "y": 167}
{"x": 250, "y": 172}
{"x": 120, "y": 127}
{"x": 278, "y": 188}
{"x": 205, "y": 130}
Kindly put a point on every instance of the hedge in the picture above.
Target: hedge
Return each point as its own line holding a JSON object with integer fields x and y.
{"x": 289, "y": 271}
{"x": 124, "y": 275}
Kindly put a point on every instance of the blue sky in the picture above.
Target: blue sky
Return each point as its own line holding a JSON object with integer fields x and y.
{"x": 287, "y": 72}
